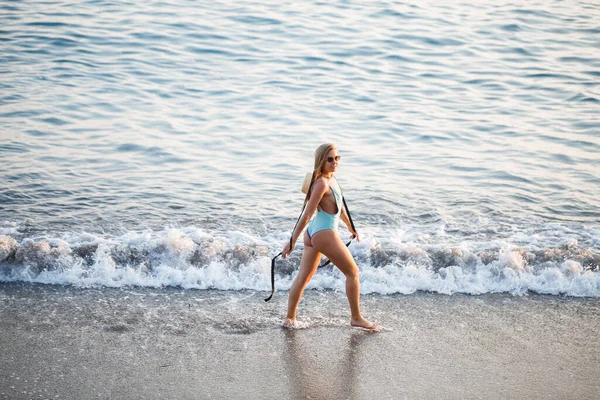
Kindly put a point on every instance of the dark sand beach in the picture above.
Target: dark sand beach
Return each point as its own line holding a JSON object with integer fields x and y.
{"x": 69, "y": 343}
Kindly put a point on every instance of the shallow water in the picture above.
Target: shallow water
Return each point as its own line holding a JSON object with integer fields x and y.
{"x": 174, "y": 136}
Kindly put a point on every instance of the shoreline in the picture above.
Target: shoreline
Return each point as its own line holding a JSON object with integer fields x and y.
{"x": 66, "y": 342}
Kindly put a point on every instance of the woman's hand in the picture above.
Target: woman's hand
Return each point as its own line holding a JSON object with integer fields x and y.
{"x": 355, "y": 235}
{"x": 287, "y": 250}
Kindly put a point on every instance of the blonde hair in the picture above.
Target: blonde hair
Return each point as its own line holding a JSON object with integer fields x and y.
{"x": 320, "y": 160}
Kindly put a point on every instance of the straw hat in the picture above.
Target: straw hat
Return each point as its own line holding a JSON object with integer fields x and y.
{"x": 306, "y": 183}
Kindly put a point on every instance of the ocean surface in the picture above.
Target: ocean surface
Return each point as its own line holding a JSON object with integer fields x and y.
{"x": 165, "y": 143}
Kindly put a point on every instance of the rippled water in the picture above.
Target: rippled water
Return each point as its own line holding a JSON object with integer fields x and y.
{"x": 471, "y": 126}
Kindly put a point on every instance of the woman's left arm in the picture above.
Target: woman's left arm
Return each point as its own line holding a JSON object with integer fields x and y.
{"x": 344, "y": 217}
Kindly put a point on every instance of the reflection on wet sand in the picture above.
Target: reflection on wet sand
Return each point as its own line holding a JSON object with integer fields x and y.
{"x": 315, "y": 371}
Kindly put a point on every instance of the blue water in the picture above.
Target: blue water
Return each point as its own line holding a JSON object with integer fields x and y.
{"x": 174, "y": 136}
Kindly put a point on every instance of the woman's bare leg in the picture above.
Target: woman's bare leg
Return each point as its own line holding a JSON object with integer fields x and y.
{"x": 330, "y": 244}
{"x": 308, "y": 267}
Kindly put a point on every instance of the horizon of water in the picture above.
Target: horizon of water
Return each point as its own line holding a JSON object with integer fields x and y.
{"x": 165, "y": 144}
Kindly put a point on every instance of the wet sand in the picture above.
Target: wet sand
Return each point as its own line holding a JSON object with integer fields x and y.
{"x": 68, "y": 343}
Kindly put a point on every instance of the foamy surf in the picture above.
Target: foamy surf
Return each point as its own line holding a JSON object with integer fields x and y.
{"x": 192, "y": 258}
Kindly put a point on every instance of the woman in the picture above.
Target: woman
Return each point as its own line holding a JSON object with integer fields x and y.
{"x": 322, "y": 237}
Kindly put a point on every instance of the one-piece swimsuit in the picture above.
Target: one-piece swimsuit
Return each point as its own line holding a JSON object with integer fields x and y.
{"x": 324, "y": 220}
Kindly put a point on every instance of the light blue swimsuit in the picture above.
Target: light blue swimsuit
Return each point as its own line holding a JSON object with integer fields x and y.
{"x": 324, "y": 220}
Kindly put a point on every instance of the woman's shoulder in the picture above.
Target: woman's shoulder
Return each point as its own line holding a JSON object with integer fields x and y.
{"x": 320, "y": 185}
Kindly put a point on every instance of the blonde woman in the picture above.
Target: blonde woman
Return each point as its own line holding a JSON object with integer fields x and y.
{"x": 325, "y": 196}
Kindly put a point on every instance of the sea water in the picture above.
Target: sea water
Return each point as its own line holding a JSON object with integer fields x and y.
{"x": 165, "y": 143}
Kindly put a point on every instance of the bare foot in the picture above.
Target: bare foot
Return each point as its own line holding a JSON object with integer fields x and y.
{"x": 364, "y": 324}
{"x": 289, "y": 323}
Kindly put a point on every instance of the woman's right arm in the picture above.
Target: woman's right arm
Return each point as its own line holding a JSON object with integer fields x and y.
{"x": 319, "y": 189}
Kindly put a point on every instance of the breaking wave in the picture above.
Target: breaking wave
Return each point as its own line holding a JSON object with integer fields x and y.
{"x": 192, "y": 258}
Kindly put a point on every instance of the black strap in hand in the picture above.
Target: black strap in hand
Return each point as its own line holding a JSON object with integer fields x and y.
{"x": 274, "y": 258}
{"x": 273, "y": 276}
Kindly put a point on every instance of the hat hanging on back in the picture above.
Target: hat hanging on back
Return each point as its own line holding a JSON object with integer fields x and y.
{"x": 306, "y": 183}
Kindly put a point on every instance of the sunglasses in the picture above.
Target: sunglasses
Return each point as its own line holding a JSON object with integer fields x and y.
{"x": 331, "y": 159}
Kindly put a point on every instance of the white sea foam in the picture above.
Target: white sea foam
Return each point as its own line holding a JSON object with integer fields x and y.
{"x": 192, "y": 258}
{"x": 8, "y": 228}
